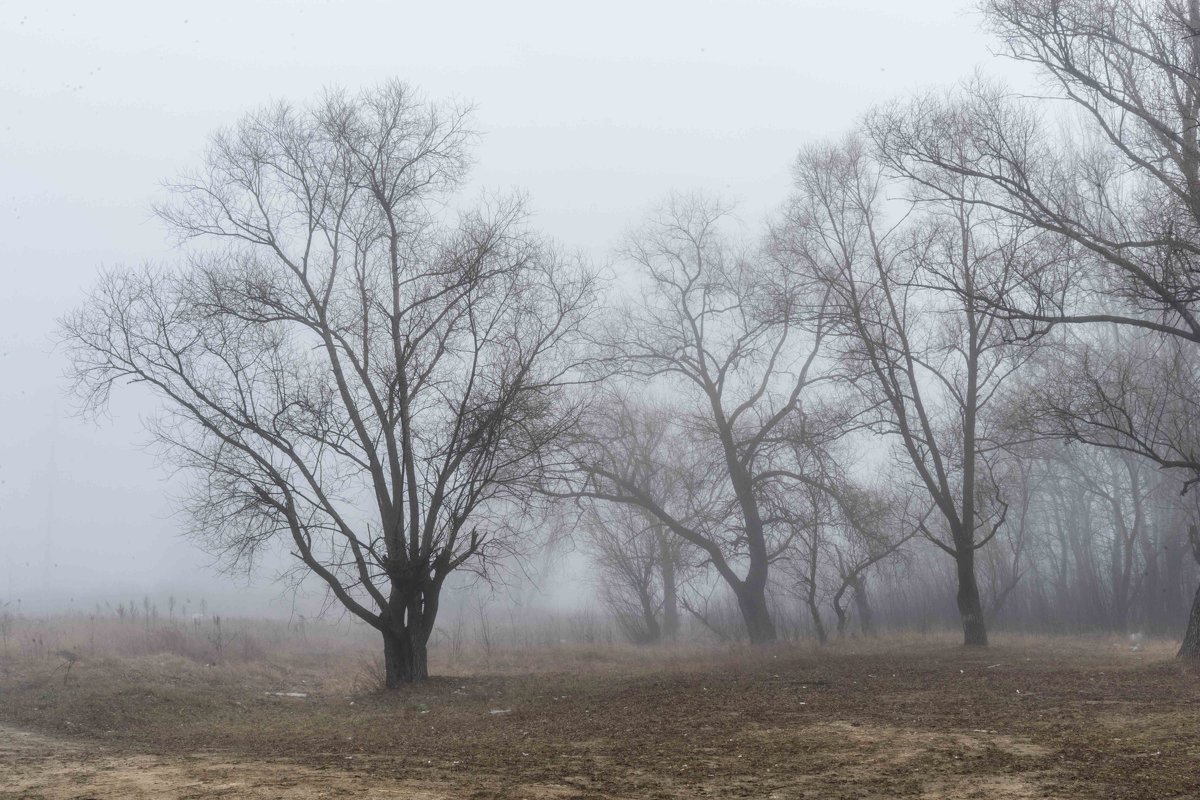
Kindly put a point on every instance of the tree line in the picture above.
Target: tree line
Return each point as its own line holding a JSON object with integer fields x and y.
{"x": 961, "y": 355}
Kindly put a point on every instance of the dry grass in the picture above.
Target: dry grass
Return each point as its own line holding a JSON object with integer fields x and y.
{"x": 207, "y": 639}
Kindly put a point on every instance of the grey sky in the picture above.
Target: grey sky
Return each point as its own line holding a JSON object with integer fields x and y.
{"x": 597, "y": 110}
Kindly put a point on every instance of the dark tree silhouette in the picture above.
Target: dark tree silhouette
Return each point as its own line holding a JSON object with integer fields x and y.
{"x": 349, "y": 372}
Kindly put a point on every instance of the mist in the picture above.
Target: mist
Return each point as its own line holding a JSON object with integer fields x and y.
{"x": 757, "y": 398}
{"x": 594, "y": 117}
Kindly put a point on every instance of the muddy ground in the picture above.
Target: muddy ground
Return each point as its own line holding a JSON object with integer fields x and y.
{"x": 1024, "y": 719}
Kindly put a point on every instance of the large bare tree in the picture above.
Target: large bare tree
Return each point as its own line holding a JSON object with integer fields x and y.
{"x": 735, "y": 343}
{"x": 913, "y": 336}
{"x": 341, "y": 362}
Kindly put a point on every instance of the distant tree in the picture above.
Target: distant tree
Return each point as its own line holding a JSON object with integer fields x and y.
{"x": 1004, "y": 563}
{"x": 914, "y": 338}
{"x": 342, "y": 367}
{"x": 875, "y": 528}
{"x": 735, "y": 344}
{"x": 813, "y": 514}
{"x": 840, "y": 531}
{"x": 1133, "y": 393}
{"x": 637, "y": 564}
{"x": 640, "y": 567}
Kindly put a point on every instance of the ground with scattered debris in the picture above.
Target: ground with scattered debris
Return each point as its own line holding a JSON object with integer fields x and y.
{"x": 897, "y": 718}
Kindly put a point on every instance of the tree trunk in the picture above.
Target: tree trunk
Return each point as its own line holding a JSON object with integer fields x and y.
{"x": 407, "y": 624}
{"x": 651, "y": 630}
{"x": 815, "y": 612}
{"x": 866, "y": 617}
{"x": 1174, "y": 600}
{"x": 1191, "y": 638}
{"x": 405, "y": 658}
{"x": 752, "y": 600}
{"x": 839, "y": 610}
{"x": 969, "y": 606}
{"x": 670, "y": 624}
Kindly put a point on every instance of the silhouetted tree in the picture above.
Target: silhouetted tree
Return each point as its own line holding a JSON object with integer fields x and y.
{"x": 735, "y": 343}
{"x": 342, "y": 367}
{"x": 913, "y": 336}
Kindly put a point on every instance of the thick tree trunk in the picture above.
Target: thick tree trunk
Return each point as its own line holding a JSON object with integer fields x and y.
{"x": 840, "y": 611}
{"x": 969, "y": 606}
{"x": 752, "y": 600}
{"x": 407, "y": 624}
{"x": 651, "y": 630}
{"x": 405, "y": 658}
{"x": 815, "y": 612}
{"x": 866, "y": 616}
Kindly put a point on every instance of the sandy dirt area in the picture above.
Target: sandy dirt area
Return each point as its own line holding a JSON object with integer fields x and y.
{"x": 933, "y": 722}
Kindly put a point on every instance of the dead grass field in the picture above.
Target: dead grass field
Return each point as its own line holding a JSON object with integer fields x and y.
{"x": 892, "y": 718}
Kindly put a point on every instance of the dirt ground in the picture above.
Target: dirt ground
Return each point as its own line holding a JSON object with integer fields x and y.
{"x": 1036, "y": 718}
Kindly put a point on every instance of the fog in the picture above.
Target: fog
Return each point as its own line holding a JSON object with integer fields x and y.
{"x": 685, "y": 398}
{"x": 597, "y": 112}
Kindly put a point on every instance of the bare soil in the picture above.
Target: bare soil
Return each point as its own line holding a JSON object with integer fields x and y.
{"x": 1036, "y": 718}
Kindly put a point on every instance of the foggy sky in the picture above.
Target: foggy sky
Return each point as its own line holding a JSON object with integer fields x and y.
{"x": 597, "y": 110}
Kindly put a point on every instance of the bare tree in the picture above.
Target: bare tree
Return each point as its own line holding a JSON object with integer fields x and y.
{"x": 813, "y": 515}
{"x": 1126, "y": 201}
{"x": 638, "y": 569}
{"x": 875, "y": 529}
{"x": 641, "y": 567}
{"x": 736, "y": 342}
{"x": 913, "y": 336}
{"x": 842, "y": 531}
{"x": 1123, "y": 192}
{"x": 1004, "y": 563}
{"x": 344, "y": 368}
